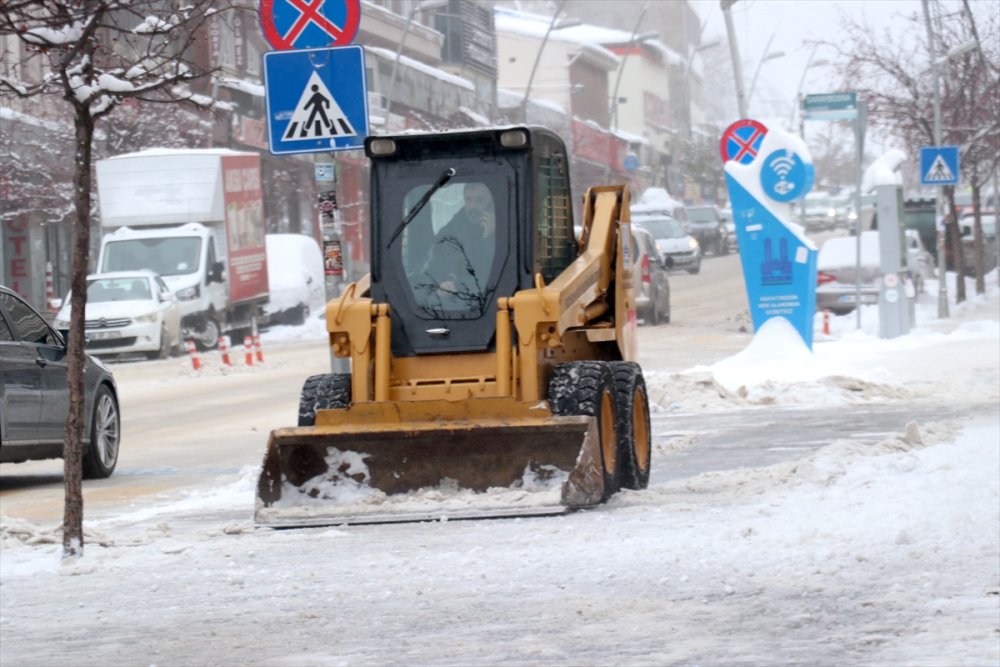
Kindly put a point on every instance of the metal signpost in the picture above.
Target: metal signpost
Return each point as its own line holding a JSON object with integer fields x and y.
{"x": 845, "y": 106}
{"x": 317, "y": 100}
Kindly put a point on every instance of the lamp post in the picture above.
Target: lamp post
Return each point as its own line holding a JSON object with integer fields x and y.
{"x": 687, "y": 77}
{"x": 753, "y": 84}
{"x": 555, "y": 24}
{"x": 734, "y": 53}
{"x": 939, "y": 202}
{"x": 798, "y": 91}
{"x": 633, "y": 39}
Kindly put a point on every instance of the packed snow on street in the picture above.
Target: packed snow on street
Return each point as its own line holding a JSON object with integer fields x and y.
{"x": 882, "y": 551}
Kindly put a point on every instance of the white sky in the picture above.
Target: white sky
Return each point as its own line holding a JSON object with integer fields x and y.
{"x": 793, "y": 23}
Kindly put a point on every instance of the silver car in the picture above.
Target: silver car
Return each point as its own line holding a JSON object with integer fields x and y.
{"x": 677, "y": 248}
{"x": 837, "y": 274}
{"x": 34, "y": 396}
{"x": 652, "y": 285}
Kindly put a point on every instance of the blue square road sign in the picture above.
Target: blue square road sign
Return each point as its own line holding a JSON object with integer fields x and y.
{"x": 317, "y": 100}
{"x": 939, "y": 165}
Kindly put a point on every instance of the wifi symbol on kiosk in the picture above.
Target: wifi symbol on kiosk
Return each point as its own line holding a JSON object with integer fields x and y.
{"x": 784, "y": 176}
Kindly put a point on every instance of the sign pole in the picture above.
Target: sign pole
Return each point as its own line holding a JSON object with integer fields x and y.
{"x": 939, "y": 206}
{"x": 859, "y": 146}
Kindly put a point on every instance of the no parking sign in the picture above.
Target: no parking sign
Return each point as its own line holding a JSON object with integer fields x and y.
{"x": 309, "y": 24}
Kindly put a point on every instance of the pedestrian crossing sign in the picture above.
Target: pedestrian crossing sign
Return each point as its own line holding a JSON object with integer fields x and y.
{"x": 939, "y": 165}
{"x": 317, "y": 100}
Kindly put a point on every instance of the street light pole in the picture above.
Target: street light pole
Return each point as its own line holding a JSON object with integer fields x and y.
{"x": 939, "y": 206}
{"x": 764, "y": 59}
{"x": 538, "y": 56}
{"x": 734, "y": 52}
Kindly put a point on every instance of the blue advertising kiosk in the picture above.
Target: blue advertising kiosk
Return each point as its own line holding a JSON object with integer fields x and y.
{"x": 767, "y": 170}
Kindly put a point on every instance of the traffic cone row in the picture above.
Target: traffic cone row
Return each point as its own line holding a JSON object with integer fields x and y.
{"x": 251, "y": 348}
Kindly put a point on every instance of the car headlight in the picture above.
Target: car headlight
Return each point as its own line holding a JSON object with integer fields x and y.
{"x": 148, "y": 318}
{"x": 832, "y": 213}
{"x": 189, "y": 294}
{"x": 60, "y": 324}
{"x": 693, "y": 243}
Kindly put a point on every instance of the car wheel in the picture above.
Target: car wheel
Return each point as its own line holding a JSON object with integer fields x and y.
{"x": 653, "y": 316}
{"x": 105, "y": 434}
{"x": 165, "y": 345}
{"x": 208, "y": 338}
{"x": 694, "y": 269}
{"x": 299, "y": 315}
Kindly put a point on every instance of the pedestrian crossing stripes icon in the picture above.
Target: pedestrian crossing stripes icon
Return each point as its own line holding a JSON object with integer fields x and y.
{"x": 939, "y": 171}
{"x": 317, "y": 115}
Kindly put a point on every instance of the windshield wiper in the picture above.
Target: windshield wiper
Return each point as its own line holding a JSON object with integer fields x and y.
{"x": 444, "y": 178}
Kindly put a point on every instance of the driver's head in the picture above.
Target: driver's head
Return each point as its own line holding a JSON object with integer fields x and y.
{"x": 478, "y": 198}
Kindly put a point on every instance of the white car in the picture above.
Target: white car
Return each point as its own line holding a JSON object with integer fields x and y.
{"x": 128, "y": 311}
{"x": 294, "y": 276}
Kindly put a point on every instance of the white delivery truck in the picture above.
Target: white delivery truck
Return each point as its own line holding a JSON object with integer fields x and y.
{"x": 195, "y": 217}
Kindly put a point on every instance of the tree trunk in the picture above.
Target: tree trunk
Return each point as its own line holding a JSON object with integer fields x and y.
{"x": 978, "y": 243}
{"x": 955, "y": 236}
{"x": 73, "y": 446}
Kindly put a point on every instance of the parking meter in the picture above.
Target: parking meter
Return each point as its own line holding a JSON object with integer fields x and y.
{"x": 897, "y": 289}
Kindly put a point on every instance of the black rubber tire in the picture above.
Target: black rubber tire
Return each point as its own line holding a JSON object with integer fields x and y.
{"x": 209, "y": 339}
{"x": 695, "y": 269}
{"x": 101, "y": 457}
{"x": 654, "y": 312}
{"x": 588, "y": 388}
{"x": 634, "y": 435}
{"x": 330, "y": 391}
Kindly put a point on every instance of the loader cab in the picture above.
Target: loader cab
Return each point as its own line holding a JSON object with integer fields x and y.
{"x": 459, "y": 220}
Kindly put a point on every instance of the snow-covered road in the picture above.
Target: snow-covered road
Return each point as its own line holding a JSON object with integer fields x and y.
{"x": 882, "y": 549}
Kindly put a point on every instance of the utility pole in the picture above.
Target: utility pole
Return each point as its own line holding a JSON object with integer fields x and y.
{"x": 734, "y": 52}
{"x": 939, "y": 220}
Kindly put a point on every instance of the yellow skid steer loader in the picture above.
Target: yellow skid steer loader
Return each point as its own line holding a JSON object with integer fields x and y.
{"x": 492, "y": 352}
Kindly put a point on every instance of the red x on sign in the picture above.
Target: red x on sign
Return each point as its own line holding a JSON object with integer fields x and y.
{"x": 309, "y": 24}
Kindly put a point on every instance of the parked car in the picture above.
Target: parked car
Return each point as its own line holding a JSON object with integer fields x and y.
{"x": 128, "y": 311}
{"x": 677, "y": 248}
{"x": 294, "y": 276}
{"x": 34, "y": 396}
{"x": 838, "y": 268}
{"x": 919, "y": 259}
{"x": 820, "y": 211}
{"x": 652, "y": 285}
{"x": 706, "y": 224}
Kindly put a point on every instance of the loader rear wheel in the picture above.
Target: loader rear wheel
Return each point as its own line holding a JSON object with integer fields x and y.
{"x": 588, "y": 388}
{"x": 634, "y": 438}
{"x": 330, "y": 391}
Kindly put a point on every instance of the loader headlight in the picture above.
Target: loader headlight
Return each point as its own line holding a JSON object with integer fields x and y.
{"x": 382, "y": 146}
{"x": 514, "y": 139}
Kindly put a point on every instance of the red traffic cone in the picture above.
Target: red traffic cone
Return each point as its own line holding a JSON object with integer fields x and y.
{"x": 224, "y": 349}
{"x": 257, "y": 348}
{"x": 248, "y": 350}
{"x": 192, "y": 351}
{"x": 826, "y": 321}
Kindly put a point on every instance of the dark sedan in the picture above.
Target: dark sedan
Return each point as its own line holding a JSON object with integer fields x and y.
{"x": 34, "y": 396}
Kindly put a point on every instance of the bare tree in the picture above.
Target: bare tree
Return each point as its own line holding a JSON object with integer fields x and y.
{"x": 893, "y": 75}
{"x": 94, "y": 55}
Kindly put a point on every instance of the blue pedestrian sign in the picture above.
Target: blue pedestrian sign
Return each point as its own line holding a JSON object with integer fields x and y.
{"x": 939, "y": 165}
{"x": 317, "y": 100}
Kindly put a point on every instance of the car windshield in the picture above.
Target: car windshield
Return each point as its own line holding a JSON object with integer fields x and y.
{"x": 702, "y": 214}
{"x": 818, "y": 201}
{"x": 167, "y": 256}
{"x": 101, "y": 290}
{"x": 662, "y": 228}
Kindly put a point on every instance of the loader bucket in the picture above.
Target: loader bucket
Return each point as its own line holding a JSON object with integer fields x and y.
{"x": 432, "y": 460}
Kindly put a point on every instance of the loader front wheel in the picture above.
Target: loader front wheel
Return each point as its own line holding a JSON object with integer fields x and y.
{"x": 634, "y": 438}
{"x": 330, "y": 391}
{"x": 588, "y": 388}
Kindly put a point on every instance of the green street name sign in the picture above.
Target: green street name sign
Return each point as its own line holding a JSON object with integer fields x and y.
{"x": 830, "y": 106}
